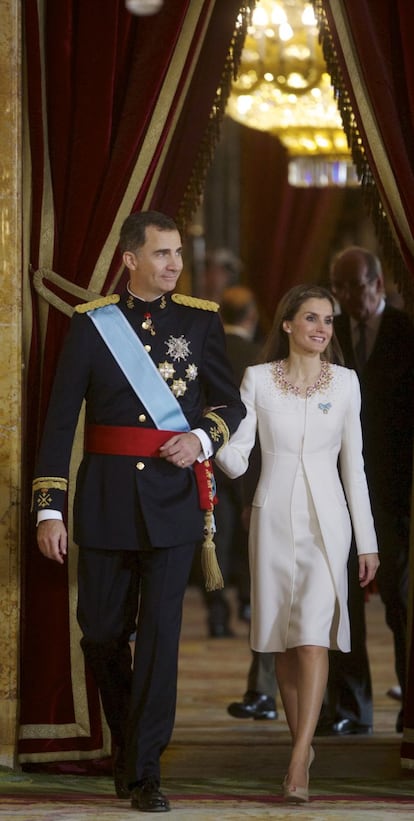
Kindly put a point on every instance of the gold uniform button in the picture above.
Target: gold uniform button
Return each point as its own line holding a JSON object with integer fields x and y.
{"x": 142, "y": 417}
{"x": 147, "y": 348}
{"x": 140, "y": 465}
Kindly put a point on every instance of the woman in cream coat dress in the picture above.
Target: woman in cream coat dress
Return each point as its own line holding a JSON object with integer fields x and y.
{"x": 306, "y": 413}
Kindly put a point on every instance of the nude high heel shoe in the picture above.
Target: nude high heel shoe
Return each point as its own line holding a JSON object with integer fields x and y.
{"x": 297, "y": 795}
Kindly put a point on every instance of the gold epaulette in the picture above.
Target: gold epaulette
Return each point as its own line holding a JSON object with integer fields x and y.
{"x": 195, "y": 302}
{"x": 112, "y": 299}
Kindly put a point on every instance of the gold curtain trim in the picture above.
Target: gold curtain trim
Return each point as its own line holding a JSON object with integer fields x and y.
{"x": 77, "y": 662}
{"x": 69, "y": 287}
{"x": 47, "y": 222}
{"x": 195, "y": 187}
{"x": 150, "y": 143}
{"x": 383, "y": 224}
{"x": 28, "y": 731}
{"x": 70, "y": 755}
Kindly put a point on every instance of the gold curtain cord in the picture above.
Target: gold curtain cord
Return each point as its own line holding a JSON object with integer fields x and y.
{"x": 211, "y": 137}
{"x": 83, "y": 294}
{"x": 383, "y": 228}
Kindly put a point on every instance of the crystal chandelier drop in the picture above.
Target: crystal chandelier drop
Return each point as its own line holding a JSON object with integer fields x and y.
{"x": 283, "y": 88}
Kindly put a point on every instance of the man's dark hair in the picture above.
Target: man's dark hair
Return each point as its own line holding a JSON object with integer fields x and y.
{"x": 133, "y": 231}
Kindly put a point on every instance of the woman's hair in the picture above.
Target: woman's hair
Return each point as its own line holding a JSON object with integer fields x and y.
{"x": 277, "y": 343}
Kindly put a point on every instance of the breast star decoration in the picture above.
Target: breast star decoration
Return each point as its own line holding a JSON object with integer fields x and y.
{"x": 178, "y": 348}
{"x": 166, "y": 370}
{"x": 191, "y": 372}
{"x": 178, "y": 387}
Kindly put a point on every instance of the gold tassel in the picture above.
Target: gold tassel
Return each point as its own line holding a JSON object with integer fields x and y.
{"x": 210, "y": 566}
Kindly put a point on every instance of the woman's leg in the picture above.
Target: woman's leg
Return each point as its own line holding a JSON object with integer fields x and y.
{"x": 302, "y": 674}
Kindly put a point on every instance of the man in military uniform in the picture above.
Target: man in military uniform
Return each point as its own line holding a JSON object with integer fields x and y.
{"x": 148, "y": 363}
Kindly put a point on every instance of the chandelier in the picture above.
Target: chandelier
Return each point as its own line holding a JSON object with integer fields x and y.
{"x": 283, "y": 88}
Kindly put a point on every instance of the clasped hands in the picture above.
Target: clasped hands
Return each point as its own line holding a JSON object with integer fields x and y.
{"x": 182, "y": 449}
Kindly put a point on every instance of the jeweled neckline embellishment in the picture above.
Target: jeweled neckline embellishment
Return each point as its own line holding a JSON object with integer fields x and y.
{"x": 323, "y": 381}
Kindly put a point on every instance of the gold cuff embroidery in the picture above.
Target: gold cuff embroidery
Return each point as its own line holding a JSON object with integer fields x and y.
{"x": 220, "y": 428}
{"x": 43, "y": 485}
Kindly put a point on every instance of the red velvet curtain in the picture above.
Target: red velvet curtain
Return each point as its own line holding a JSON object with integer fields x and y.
{"x": 286, "y": 231}
{"x": 369, "y": 51}
{"x": 368, "y": 47}
{"x": 122, "y": 113}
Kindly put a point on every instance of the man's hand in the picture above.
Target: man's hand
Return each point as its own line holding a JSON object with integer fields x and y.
{"x": 52, "y": 539}
{"x": 182, "y": 450}
{"x": 368, "y": 566}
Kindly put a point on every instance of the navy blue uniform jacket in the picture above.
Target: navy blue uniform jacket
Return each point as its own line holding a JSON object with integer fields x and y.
{"x": 188, "y": 348}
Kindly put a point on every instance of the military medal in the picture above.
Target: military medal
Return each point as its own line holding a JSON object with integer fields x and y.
{"x": 178, "y": 348}
{"x": 148, "y": 325}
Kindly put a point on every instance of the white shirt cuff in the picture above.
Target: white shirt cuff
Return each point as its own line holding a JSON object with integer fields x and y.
{"x": 206, "y": 446}
{"x": 48, "y": 514}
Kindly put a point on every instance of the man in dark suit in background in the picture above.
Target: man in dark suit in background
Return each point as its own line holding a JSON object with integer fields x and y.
{"x": 377, "y": 340}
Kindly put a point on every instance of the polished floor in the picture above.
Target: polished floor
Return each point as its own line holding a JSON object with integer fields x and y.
{"x": 218, "y": 767}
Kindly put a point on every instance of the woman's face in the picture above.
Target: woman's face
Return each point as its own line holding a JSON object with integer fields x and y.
{"x": 311, "y": 329}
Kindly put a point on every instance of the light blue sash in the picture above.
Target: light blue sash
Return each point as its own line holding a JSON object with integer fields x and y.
{"x": 138, "y": 367}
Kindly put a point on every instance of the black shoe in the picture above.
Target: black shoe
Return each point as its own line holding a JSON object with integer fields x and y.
{"x": 342, "y": 726}
{"x": 148, "y": 797}
{"x": 121, "y": 787}
{"x": 399, "y": 725}
{"x": 254, "y": 705}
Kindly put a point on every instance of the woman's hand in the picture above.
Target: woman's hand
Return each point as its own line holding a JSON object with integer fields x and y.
{"x": 368, "y": 566}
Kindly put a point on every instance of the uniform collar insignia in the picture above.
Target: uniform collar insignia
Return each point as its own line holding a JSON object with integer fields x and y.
{"x": 133, "y": 302}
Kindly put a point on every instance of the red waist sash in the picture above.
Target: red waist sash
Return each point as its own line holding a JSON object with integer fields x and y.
{"x": 128, "y": 441}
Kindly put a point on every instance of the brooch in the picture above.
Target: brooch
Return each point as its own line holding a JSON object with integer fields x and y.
{"x": 324, "y": 406}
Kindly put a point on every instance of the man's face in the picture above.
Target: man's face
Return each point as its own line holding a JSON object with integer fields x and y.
{"x": 357, "y": 295}
{"x": 155, "y": 266}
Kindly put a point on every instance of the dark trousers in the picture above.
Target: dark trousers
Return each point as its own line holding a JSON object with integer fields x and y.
{"x": 262, "y": 674}
{"x": 139, "y": 705}
{"x": 393, "y": 580}
{"x": 349, "y": 690}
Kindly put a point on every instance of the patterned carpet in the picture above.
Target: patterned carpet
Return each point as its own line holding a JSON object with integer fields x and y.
{"x": 33, "y": 796}
{"x": 221, "y": 769}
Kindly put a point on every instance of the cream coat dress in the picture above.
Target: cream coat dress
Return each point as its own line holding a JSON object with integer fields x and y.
{"x": 300, "y": 528}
